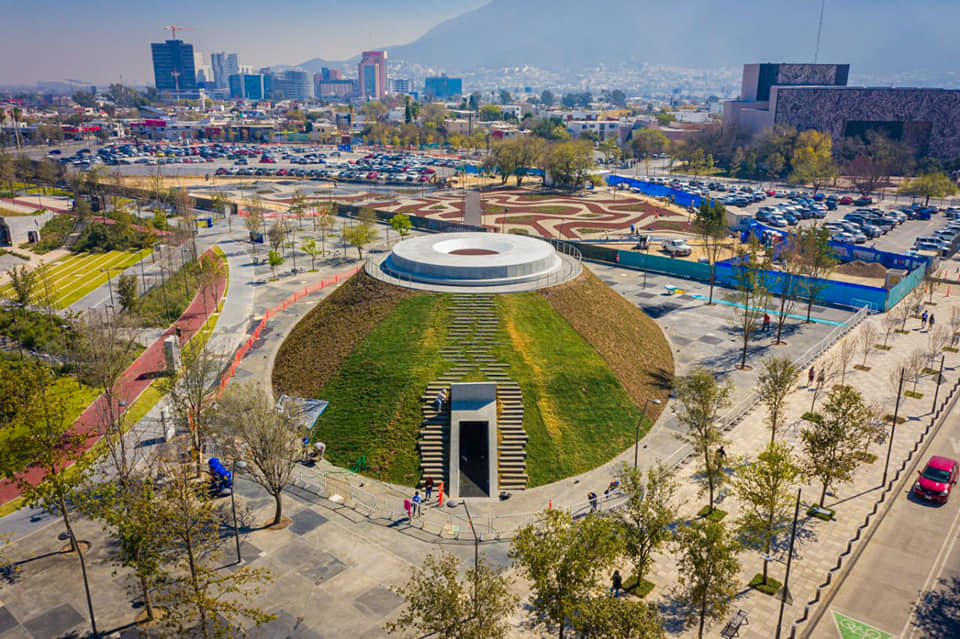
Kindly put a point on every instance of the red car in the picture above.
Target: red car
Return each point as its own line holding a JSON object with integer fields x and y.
{"x": 770, "y": 193}
{"x": 846, "y": 199}
{"x": 267, "y": 160}
{"x": 936, "y": 480}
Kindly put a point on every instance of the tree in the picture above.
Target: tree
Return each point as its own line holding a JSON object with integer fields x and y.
{"x": 298, "y": 205}
{"x": 778, "y": 378}
{"x": 848, "y": 348}
{"x": 275, "y": 259}
{"x": 815, "y": 259}
{"x": 562, "y": 559}
{"x": 198, "y": 594}
{"x": 183, "y": 205}
{"x": 23, "y": 280}
{"x": 569, "y": 163}
{"x": 361, "y": 233}
{"x": 440, "y": 602}
{"x": 710, "y": 224}
{"x": 646, "y": 142}
{"x": 610, "y": 149}
{"x": 309, "y": 246}
{"x": 830, "y": 442}
{"x": 127, "y": 291}
{"x": 914, "y": 364}
{"x": 937, "y": 339}
{"x": 701, "y": 398}
{"x": 890, "y": 321}
{"x": 277, "y": 233}
{"x": 324, "y": 223}
{"x": 867, "y": 174}
{"x": 617, "y": 618}
{"x": 547, "y": 98}
{"x": 188, "y": 391}
{"x": 268, "y": 435}
{"x": 489, "y": 113}
{"x": 813, "y": 159}
{"x": 646, "y": 516}
{"x": 708, "y": 570}
{"x": 764, "y": 490}
{"x": 867, "y": 340}
{"x": 930, "y": 185}
{"x": 749, "y": 296}
{"x": 401, "y": 224}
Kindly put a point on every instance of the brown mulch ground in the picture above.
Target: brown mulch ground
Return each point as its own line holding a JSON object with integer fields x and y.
{"x": 628, "y": 340}
{"x": 325, "y": 337}
{"x": 862, "y": 269}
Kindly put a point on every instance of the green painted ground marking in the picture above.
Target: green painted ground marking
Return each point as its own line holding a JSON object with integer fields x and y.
{"x": 850, "y": 628}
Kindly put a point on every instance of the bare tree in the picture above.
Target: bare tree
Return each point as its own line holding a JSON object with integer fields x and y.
{"x": 937, "y": 340}
{"x": 828, "y": 371}
{"x": 867, "y": 340}
{"x": 904, "y": 311}
{"x": 954, "y": 324}
{"x": 914, "y": 365}
{"x": 268, "y": 435}
{"x": 889, "y": 322}
{"x": 749, "y": 297}
{"x": 848, "y": 348}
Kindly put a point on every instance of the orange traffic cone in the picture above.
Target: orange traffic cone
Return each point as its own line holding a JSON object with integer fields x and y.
{"x": 948, "y": 291}
{"x": 550, "y": 505}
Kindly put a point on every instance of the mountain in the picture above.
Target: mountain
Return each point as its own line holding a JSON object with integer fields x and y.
{"x": 879, "y": 38}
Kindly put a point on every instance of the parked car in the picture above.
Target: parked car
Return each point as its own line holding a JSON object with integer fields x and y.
{"x": 677, "y": 248}
{"x": 863, "y": 201}
{"x": 936, "y": 479}
{"x": 846, "y": 199}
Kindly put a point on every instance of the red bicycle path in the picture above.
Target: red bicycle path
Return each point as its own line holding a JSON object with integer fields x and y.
{"x": 138, "y": 376}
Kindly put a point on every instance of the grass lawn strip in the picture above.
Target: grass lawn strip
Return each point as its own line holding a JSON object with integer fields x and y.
{"x": 124, "y": 261}
{"x": 374, "y": 398}
{"x": 66, "y": 282}
{"x": 576, "y": 413}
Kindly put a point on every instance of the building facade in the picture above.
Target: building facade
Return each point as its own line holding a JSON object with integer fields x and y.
{"x": 331, "y": 74}
{"x": 224, "y": 65}
{"x": 815, "y": 96}
{"x": 442, "y": 87}
{"x": 400, "y": 86}
{"x": 333, "y": 88}
{"x": 173, "y": 66}
{"x": 293, "y": 85}
{"x": 249, "y": 86}
{"x": 372, "y": 75}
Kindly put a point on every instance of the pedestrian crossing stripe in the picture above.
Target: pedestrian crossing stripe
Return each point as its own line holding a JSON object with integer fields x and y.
{"x": 850, "y": 628}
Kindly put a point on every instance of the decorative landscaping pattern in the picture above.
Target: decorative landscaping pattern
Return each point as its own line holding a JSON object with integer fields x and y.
{"x": 551, "y": 214}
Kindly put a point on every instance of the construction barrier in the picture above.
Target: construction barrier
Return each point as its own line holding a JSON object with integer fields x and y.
{"x": 272, "y": 312}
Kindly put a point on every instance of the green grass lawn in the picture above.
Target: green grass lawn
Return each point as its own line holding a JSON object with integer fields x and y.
{"x": 78, "y": 275}
{"x": 576, "y": 413}
{"x": 375, "y": 395}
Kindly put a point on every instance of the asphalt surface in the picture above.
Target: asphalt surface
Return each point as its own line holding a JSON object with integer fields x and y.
{"x": 907, "y": 581}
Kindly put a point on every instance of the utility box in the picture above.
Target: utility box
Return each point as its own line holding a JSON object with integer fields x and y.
{"x": 33, "y": 237}
{"x": 171, "y": 353}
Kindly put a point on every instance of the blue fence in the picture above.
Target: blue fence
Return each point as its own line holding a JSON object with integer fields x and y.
{"x": 851, "y": 252}
{"x": 907, "y": 284}
{"x": 660, "y": 264}
{"x": 657, "y": 190}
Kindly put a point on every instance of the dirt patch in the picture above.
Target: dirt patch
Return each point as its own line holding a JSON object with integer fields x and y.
{"x": 628, "y": 340}
{"x": 322, "y": 340}
{"x": 862, "y": 269}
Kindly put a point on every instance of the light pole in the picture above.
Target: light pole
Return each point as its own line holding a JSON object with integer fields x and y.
{"x": 237, "y": 463}
{"x": 476, "y": 558}
{"x": 893, "y": 431}
{"x": 109, "y": 286}
{"x": 636, "y": 440}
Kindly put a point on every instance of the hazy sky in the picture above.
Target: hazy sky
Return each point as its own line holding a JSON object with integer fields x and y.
{"x": 103, "y": 40}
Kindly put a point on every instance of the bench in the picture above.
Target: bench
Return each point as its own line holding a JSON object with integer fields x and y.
{"x": 732, "y": 629}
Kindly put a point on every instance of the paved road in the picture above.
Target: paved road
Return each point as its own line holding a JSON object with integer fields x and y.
{"x": 906, "y": 582}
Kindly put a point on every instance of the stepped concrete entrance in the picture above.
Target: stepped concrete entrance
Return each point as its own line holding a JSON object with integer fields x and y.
{"x": 473, "y": 332}
{"x": 473, "y": 438}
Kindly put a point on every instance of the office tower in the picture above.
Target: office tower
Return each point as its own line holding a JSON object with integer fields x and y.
{"x": 293, "y": 85}
{"x": 328, "y": 75}
{"x": 372, "y": 74}
{"x": 247, "y": 85}
{"x": 224, "y": 65}
{"x": 400, "y": 86}
{"x": 443, "y": 87}
{"x": 173, "y": 67}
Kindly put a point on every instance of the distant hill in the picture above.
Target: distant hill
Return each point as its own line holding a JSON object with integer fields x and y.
{"x": 881, "y": 38}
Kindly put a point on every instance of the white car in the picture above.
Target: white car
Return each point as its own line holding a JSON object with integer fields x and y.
{"x": 677, "y": 248}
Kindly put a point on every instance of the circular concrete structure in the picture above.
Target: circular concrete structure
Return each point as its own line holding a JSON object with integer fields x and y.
{"x": 449, "y": 261}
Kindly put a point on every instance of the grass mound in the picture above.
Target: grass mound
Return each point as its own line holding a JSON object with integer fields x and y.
{"x": 326, "y": 336}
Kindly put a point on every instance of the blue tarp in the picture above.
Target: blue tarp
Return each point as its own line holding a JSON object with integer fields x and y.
{"x": 681, "y": 198}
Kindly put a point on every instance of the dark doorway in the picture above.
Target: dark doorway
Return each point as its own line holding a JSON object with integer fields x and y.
{"x": 474, "y": 466}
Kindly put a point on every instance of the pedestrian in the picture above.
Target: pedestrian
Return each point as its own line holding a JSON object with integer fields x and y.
{"x": 821, "y": 378}
{"x": 766, "y": 323}
{"x": 721, "y": 454}
{"x": 612, "y": 487}
{"x": 923, "y": 320}
{"x": 407, "y": 505}
{"x": 592, "y": 497}
{"x": 930, "y": 321}
{"x": 428, "y": 488}
{"x": 416, "y": 504}
{"x": 439, "y": 400}
{"x": 956, "y": 338}
{"x": 811, "y": 375}
{"x": 616, "y": 584}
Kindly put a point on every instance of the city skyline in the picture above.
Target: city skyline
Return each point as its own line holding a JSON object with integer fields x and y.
{"x": 82, "y": 45}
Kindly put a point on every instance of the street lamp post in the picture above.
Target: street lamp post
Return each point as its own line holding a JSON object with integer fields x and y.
{"x": 109, "y": 286}
{"x": 636, "y": 440}
{"x": 237, "y": 463}
{"x": 476, "y": 558}
{"x": 893, "y": 430}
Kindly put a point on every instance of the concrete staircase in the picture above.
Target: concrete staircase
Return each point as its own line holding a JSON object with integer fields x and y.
{"x": 473, "y": 330}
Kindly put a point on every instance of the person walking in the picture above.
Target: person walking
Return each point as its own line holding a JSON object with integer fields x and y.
{"x": 811, "y": 375}
{"x": 416, "y": 504}
{"x": 438, "y": 401}
{"x": 923, "y": 320}
{"x": 930, "y": 321}
{"x": 822, "y": 377}
{"x": 592, "y": 498}
{"x": 616, "y": 584}
{"x": 766, "y": 323}
{"x": 428, "y": 488}
{"x": 407, "y": 506}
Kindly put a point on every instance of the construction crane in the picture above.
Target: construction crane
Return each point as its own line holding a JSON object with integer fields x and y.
{"x": 174, "y": 28}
